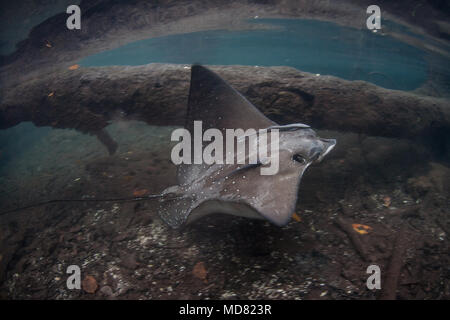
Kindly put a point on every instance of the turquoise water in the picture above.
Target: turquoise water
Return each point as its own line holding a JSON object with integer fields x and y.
{"x": 308, "y": 45}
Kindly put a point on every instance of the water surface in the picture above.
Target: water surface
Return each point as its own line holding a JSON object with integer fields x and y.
{"x": 308, "y": 45}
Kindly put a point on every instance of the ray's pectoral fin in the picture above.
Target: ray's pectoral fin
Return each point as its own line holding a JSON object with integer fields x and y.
{"x": 175, "y": 210}
{"x": 217, "y": 105}
{"x": 278, "y": 196}
{"x": 274, "y": 197}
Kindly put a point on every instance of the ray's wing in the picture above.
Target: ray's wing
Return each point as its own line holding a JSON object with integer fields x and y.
{"x": 217, "y": 105}
{"x": 274, "y": 197}
{"x": 279, "y": 206}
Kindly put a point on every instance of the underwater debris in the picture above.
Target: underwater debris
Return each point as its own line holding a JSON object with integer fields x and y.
{"x": 89, "y": 284}
{"x": 105, "y": 138}
{"x": 107, "y": 291}
{"x": 200, "y": 272}
{"x": 361, "y": 228}
{"x": 359, "y": 247}
{"x": 140, "y": 193}
{"x": 296, "y": 217}
{"x": 389, "y": 291}
{"x": 370, "y": 105}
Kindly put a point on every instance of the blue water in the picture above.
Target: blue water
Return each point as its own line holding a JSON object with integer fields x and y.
{"x": 308, "y": 45}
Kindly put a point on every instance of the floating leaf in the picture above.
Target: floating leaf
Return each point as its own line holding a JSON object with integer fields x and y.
{"x": 200, "y": 272}
{"x": 296, "y": 217}
{"x": 361, "y": 228}
{"x": 74, "y": 67}
{"x": 387, "y": 201}
{"x": 140, "y": 193}
{"x": 89, "y": 284}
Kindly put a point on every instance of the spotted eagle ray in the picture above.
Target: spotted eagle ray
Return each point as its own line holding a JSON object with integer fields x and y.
{"x": 237, "y": 189}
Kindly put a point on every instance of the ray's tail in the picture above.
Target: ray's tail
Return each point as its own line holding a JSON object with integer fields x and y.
{"x": 161, "y": 197}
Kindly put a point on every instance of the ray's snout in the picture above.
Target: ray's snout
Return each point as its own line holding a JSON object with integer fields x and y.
{"x": 328, "y": 145}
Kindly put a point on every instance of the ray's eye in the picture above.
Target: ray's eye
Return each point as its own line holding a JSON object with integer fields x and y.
{"x": 297, "y": 157}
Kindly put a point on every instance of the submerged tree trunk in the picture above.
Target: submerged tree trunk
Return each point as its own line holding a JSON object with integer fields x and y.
{"x": 87, "y": 99}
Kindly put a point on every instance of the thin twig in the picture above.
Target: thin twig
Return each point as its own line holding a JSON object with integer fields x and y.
{"x": 389, "y": 287}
